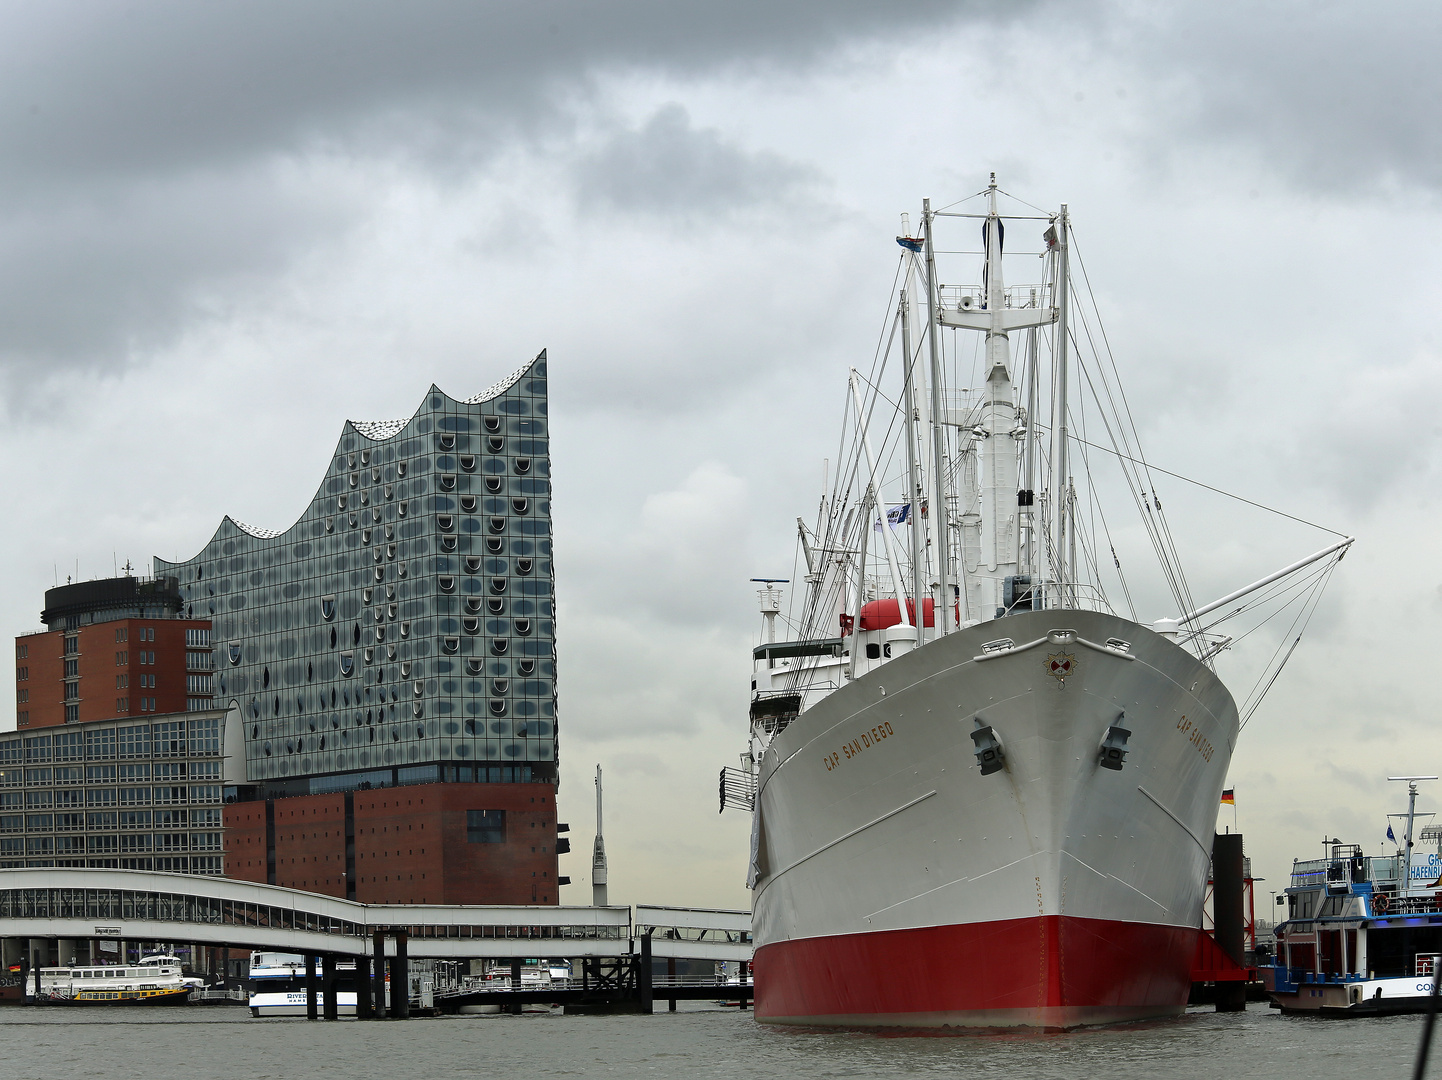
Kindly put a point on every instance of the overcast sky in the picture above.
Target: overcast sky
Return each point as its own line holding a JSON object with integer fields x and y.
{"x": 227, "y": 227}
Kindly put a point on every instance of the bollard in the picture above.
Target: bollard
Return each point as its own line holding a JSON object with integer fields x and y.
{"x": 330, "y": 1007}
{"x": 1227, "y": 915}
{"x": 400, "y": 980}
{"x": 643, "y": 975}
{"x": 363, "y": 1008}
{"x": 310, "y": 988}
{"x": 379, "y": 974}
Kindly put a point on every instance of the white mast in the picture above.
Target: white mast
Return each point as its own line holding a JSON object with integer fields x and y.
{"x": 1411, "y": 813}
{"x": 997, "y": 430}
{"x": 598, "y": 857}
{"x": 940, "y": 515}
{"x": 913, "y": 479}
{"x": 998, "y": 441}
{"x": 1057, "y": 485}
{"x": 888, "y": 541}
{"x": 1026, "y": 496}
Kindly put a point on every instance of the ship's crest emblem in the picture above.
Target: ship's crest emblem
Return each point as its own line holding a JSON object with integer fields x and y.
{"x": 1060, "y": 665}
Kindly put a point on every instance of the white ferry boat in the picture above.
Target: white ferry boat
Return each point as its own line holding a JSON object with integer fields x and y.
{"x": 277, "y": 985}
{"x": 1363, "y": 933}
{"x": 155, "y": 980}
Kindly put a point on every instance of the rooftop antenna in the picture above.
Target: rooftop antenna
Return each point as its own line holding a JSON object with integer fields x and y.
{"x": 598, "y": 857}
{"x": 1411, "y": 782}
{"x": 770, "y": 603}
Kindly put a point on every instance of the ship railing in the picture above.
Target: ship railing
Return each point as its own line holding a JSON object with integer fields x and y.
{"x": 1413, "y": 905}
{"x": 1085, "y": 595}
{"x": 972, "y": 297}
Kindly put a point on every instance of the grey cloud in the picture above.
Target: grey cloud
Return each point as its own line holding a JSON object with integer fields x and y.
{"x": 1337, "y": 97}
{"x": 122, "y": 128}
{"x": 669, "y": 167}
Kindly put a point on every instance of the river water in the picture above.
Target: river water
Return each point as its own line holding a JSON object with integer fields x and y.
{"x": 696, "y": 1043}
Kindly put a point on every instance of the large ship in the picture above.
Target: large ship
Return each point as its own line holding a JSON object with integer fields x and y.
{"x": 994, "y": 807}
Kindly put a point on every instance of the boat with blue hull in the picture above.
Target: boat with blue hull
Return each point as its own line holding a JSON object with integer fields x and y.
{"x": 1363, "y": 933}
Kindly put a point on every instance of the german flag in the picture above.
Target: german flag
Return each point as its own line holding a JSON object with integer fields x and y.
{"x": 1229, "y": 797}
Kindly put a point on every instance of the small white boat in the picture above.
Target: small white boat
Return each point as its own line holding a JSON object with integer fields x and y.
{"x": 277, "y": 985}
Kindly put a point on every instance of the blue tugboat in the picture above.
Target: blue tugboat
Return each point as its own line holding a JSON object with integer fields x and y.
{"x": 1363, "y": 933}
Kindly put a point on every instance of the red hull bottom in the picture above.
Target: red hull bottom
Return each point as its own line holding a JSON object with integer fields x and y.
{"x": 1052, "y": 971}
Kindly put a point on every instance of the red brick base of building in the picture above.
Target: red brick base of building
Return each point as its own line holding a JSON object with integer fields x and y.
{"x": 423, "y": 844}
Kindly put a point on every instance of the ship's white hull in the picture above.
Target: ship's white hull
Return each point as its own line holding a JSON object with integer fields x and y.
{"x": 897, "y": 885}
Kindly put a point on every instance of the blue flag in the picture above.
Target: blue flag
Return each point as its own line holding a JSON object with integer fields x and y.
{"x": 1390, "y": 835}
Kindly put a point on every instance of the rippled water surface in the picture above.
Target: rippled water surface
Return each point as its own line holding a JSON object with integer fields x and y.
{"x": 204, "y": 1042}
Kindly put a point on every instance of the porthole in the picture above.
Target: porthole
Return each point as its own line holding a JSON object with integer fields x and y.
{"x": 493, "y": 485}
{"x": 522, "y": 465}
{"x": 448, "y": 481}
{"x": 523, "y": 566}
{"x": 493, "y": 423}
{"x": 496, "y": 545}
{"x": 497, "y": 524}
{"x": 467, "y": 462}
{"x": 473, "y": 564}
{"x": 468, "y": 503}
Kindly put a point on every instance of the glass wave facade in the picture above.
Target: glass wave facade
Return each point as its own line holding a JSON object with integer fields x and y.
{"x": 408, "y": 616}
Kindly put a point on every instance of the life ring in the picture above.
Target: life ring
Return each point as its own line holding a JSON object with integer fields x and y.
{"x": 1379, "y": 903}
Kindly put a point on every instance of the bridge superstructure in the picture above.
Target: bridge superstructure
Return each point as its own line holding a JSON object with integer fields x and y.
{"x": 143, "y": 905}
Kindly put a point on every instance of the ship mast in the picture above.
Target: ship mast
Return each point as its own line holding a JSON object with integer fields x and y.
{"x": 1057, "y": 486}
{"x": 887, "y": 539}
{"x": 998, "y": 437}
{"x": 940, "y": 512}
{"x": 1411, "y": 813}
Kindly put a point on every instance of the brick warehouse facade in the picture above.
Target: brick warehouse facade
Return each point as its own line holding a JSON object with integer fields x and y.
{"x": 386, "y": 666}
